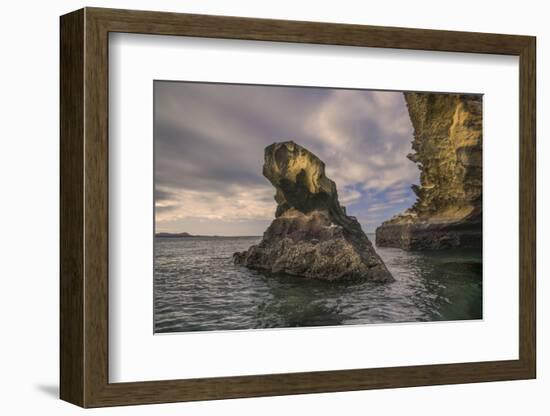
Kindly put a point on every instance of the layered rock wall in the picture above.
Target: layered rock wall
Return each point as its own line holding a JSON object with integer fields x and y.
{"x": 447, "y": 147}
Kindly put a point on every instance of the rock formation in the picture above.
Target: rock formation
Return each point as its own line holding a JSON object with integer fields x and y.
{"x": 311, "y": 235}
{"x": 447, "y": 149}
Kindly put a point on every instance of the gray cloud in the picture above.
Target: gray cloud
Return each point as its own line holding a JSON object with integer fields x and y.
{"x": 209, "y": 141}
{"x": 161, "y": 196}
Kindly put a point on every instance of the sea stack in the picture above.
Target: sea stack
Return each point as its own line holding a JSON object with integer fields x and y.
{"x": 447, "y": 149}
{"x": 311, "y": 235}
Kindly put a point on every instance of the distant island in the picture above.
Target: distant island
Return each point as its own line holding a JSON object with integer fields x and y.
{"x": 187, "y": 235}
{"x": 182, "y": 235}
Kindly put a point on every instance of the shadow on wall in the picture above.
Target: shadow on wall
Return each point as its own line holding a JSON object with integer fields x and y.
{"x": 51, "y": 390}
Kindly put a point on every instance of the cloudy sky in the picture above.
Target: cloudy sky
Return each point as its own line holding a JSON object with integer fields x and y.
{"x": 210, "y": 139}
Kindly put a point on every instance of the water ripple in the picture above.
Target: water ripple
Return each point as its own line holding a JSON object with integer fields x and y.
{"x": 197, "y": 288}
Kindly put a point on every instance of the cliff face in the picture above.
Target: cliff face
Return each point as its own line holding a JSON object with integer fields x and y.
{"x": 311, "y": 235}
{"x": 447, "y": 148}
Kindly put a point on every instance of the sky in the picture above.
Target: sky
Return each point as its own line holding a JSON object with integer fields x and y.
{"x": 209, "y": 144}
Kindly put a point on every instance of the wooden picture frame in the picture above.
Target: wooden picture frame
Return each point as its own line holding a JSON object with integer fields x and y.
{"x": 84, "y": 207}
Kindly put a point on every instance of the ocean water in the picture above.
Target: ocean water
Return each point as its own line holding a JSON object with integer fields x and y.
{"x": 198, "y": 288}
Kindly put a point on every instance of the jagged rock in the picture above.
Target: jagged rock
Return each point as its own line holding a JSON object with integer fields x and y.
{"x": 311, "y": 235}
{"x": 447, "y": 148}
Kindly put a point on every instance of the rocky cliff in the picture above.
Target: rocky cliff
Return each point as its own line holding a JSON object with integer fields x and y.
{"x": 311, "y": 235}
{"x": 447, "y": 149}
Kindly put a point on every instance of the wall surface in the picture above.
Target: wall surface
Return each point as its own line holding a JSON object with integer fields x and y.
{"x": 29, "y": 213}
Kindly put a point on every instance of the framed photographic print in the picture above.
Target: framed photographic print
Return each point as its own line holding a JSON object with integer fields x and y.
{"x": 255, "y": 207}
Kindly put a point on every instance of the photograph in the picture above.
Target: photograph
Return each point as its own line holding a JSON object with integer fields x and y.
{"x": 305, "y": 206}
{"x": 277, "y": 205}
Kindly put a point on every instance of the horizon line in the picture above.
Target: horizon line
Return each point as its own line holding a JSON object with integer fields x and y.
{"x": 156, "y": 234}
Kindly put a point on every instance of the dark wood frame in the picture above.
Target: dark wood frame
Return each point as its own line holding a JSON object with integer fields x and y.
{"x": 84, "y": 209}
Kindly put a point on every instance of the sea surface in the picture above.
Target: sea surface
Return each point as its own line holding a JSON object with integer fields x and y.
{"x": 198, "y": 288}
